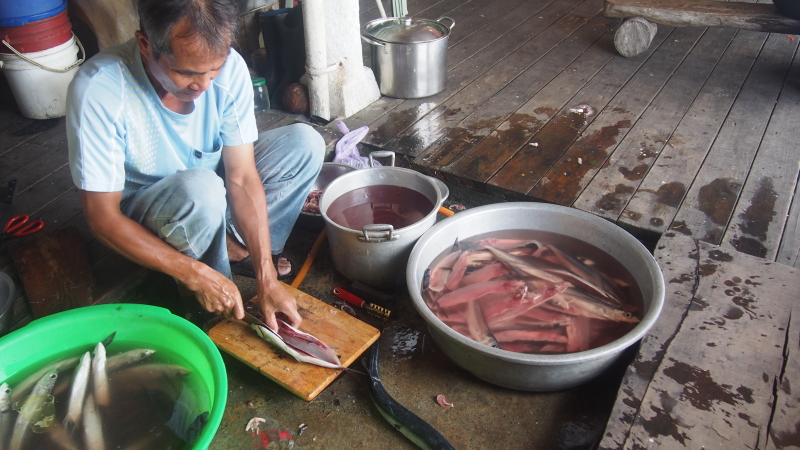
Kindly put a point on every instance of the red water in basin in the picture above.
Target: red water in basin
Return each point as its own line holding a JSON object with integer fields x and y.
{"x": 397, "y": 206}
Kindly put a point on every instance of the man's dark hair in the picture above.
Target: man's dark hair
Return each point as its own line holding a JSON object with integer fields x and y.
{"x": 214, "y": 21}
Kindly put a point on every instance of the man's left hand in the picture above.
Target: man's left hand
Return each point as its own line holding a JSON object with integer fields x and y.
{"x": 275, "y": 298}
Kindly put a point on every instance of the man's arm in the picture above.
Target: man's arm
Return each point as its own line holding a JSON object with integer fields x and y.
{"x": 215, "y": 292}
{"x": 249, "y": 213}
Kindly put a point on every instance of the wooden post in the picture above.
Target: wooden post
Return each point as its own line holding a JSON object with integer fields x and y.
{"x": 634, "y": 36}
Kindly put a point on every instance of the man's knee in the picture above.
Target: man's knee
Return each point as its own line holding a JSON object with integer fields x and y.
{"x": 310, "y": 147}
{"x": 201, "y": 187}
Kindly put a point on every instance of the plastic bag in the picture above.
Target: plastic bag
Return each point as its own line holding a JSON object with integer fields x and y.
{"x": 346, "y": 150}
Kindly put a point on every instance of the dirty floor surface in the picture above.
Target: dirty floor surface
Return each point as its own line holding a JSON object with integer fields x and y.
{"x": 414, "y": 372}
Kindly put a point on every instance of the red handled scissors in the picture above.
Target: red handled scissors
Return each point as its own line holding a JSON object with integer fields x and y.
{"x": 22, "y": 225}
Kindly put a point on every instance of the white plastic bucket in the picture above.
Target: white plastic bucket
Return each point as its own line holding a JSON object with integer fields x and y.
{"x": 39, "y": 80}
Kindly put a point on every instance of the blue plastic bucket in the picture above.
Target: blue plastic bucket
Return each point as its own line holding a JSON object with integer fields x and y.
{"x": 19, "y": 12}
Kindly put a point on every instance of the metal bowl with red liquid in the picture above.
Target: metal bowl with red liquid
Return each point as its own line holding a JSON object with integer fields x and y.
{"x": 526, "y": 371}
{"x": 373, "y": 217}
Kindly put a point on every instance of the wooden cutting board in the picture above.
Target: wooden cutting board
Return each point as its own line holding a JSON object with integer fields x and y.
{"x": 348, "y": 336}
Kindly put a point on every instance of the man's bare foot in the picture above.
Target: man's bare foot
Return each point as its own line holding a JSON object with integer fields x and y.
{"x": 236, "y": 251}
{"x": 283, "y": 266}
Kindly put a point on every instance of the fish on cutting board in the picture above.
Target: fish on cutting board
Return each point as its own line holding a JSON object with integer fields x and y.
{"x": 301, "y": 346}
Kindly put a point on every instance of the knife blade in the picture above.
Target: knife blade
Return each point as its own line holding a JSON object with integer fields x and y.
{"x": 251, "y": 319}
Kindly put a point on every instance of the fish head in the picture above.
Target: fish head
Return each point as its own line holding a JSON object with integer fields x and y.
{"x": 100, "y": 351}
{"x": 142, "y": 354}
{"x": 5, "y": 398}
{"x": 46, "y": 384}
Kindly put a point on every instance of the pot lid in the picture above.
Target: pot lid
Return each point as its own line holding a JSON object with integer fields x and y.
{"x": 405, "y": 30}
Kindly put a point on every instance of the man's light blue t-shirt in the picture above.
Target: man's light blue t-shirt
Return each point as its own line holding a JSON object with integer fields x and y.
{"x": 122, "y": 138}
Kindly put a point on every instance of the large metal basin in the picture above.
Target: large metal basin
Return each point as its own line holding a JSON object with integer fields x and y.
{"x": 522, "y": 371}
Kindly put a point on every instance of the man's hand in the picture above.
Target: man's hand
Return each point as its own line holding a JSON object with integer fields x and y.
{"x": 250, "y": 217}
{"x": 276, "y": 298}
{"x": 217, "y": 294}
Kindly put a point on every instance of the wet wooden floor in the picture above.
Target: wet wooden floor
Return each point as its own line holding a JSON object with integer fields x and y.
{"x": 696, "y": 135}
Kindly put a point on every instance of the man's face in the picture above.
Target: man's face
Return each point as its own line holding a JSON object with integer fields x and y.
{"x": 185, "y": 74}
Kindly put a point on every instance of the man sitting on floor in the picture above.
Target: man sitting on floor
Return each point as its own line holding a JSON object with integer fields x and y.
{"x": 161, "y": 134}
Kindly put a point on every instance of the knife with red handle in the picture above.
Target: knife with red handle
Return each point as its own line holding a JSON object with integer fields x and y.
{"x": 371, "y": 308}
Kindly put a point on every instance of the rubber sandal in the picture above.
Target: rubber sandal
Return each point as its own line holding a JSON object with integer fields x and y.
{"x": 245, "y": 267}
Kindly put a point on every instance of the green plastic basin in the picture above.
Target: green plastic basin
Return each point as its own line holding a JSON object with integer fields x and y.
{"x": 50, "y": 337}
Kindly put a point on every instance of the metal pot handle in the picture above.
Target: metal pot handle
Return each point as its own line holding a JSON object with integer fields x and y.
{"x": 380, "y": 154}
{"x": 369, "y": 40}
{"x": 378, "y": 232}
{"x": 452, "y": 24}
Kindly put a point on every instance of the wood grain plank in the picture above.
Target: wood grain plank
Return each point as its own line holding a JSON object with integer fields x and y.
{"x": 565, "y": 180}
{"x": 43, "y": 147}
{"x": 484, "y": 51}
{"x": 648, "y": 210}
{"x": 677, "y": 256}
{"x": 707, "y": 207}
{"x": 34, "y": 200}
{"x": 789, "y": 251}
{"x": 625, "y": 167}
{"x": 648, "y": 176}
{"x": 54, "y": 271}
{"x": 705, "y": 13}
{"x": 784, "y": 430}
{"x": 512, "y": 170}
{"x": 467, "y": 26}
{"x": 513, "y": 80}
{"x": 473, "y": 15}
{"x": 714, "y": 386}
{"x": 348, "y": 335}
{"x": 760, "y": 215}
{"x": 495, "y": 132}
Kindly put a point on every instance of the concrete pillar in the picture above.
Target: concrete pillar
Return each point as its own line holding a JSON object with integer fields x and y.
{"x": 334, "y": 63}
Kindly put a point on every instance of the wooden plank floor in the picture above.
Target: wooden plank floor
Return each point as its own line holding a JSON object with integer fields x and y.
{"x": 717, "y": 368}
{"x": 695, "y": 135}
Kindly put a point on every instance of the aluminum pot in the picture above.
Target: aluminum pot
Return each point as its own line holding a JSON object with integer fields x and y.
{"x": 377, "y": 254}
{"x": 409, "y": 56}
{"x": 529, "y": 372}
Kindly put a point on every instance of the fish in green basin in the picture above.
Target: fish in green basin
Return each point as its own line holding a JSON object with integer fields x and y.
{"x": 92, "y": 425}
{"x": 102, "y": 395}
{"x": 125, "y": 359}
{"x": 23, "y": 388}
{"x": 6, "y": 419}
{"x": 80, "y": 383}
{"x": 36, "y": 413}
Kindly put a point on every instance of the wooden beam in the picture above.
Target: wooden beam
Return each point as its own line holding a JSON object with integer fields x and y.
{"x": 705, "y": 13}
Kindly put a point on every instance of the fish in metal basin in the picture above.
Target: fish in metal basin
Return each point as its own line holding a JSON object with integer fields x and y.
{"x": 301, "y": 346}
{"x": 36, "y": 412}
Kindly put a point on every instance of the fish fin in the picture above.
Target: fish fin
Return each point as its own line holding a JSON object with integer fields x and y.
{"x": 107, "y": 341}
